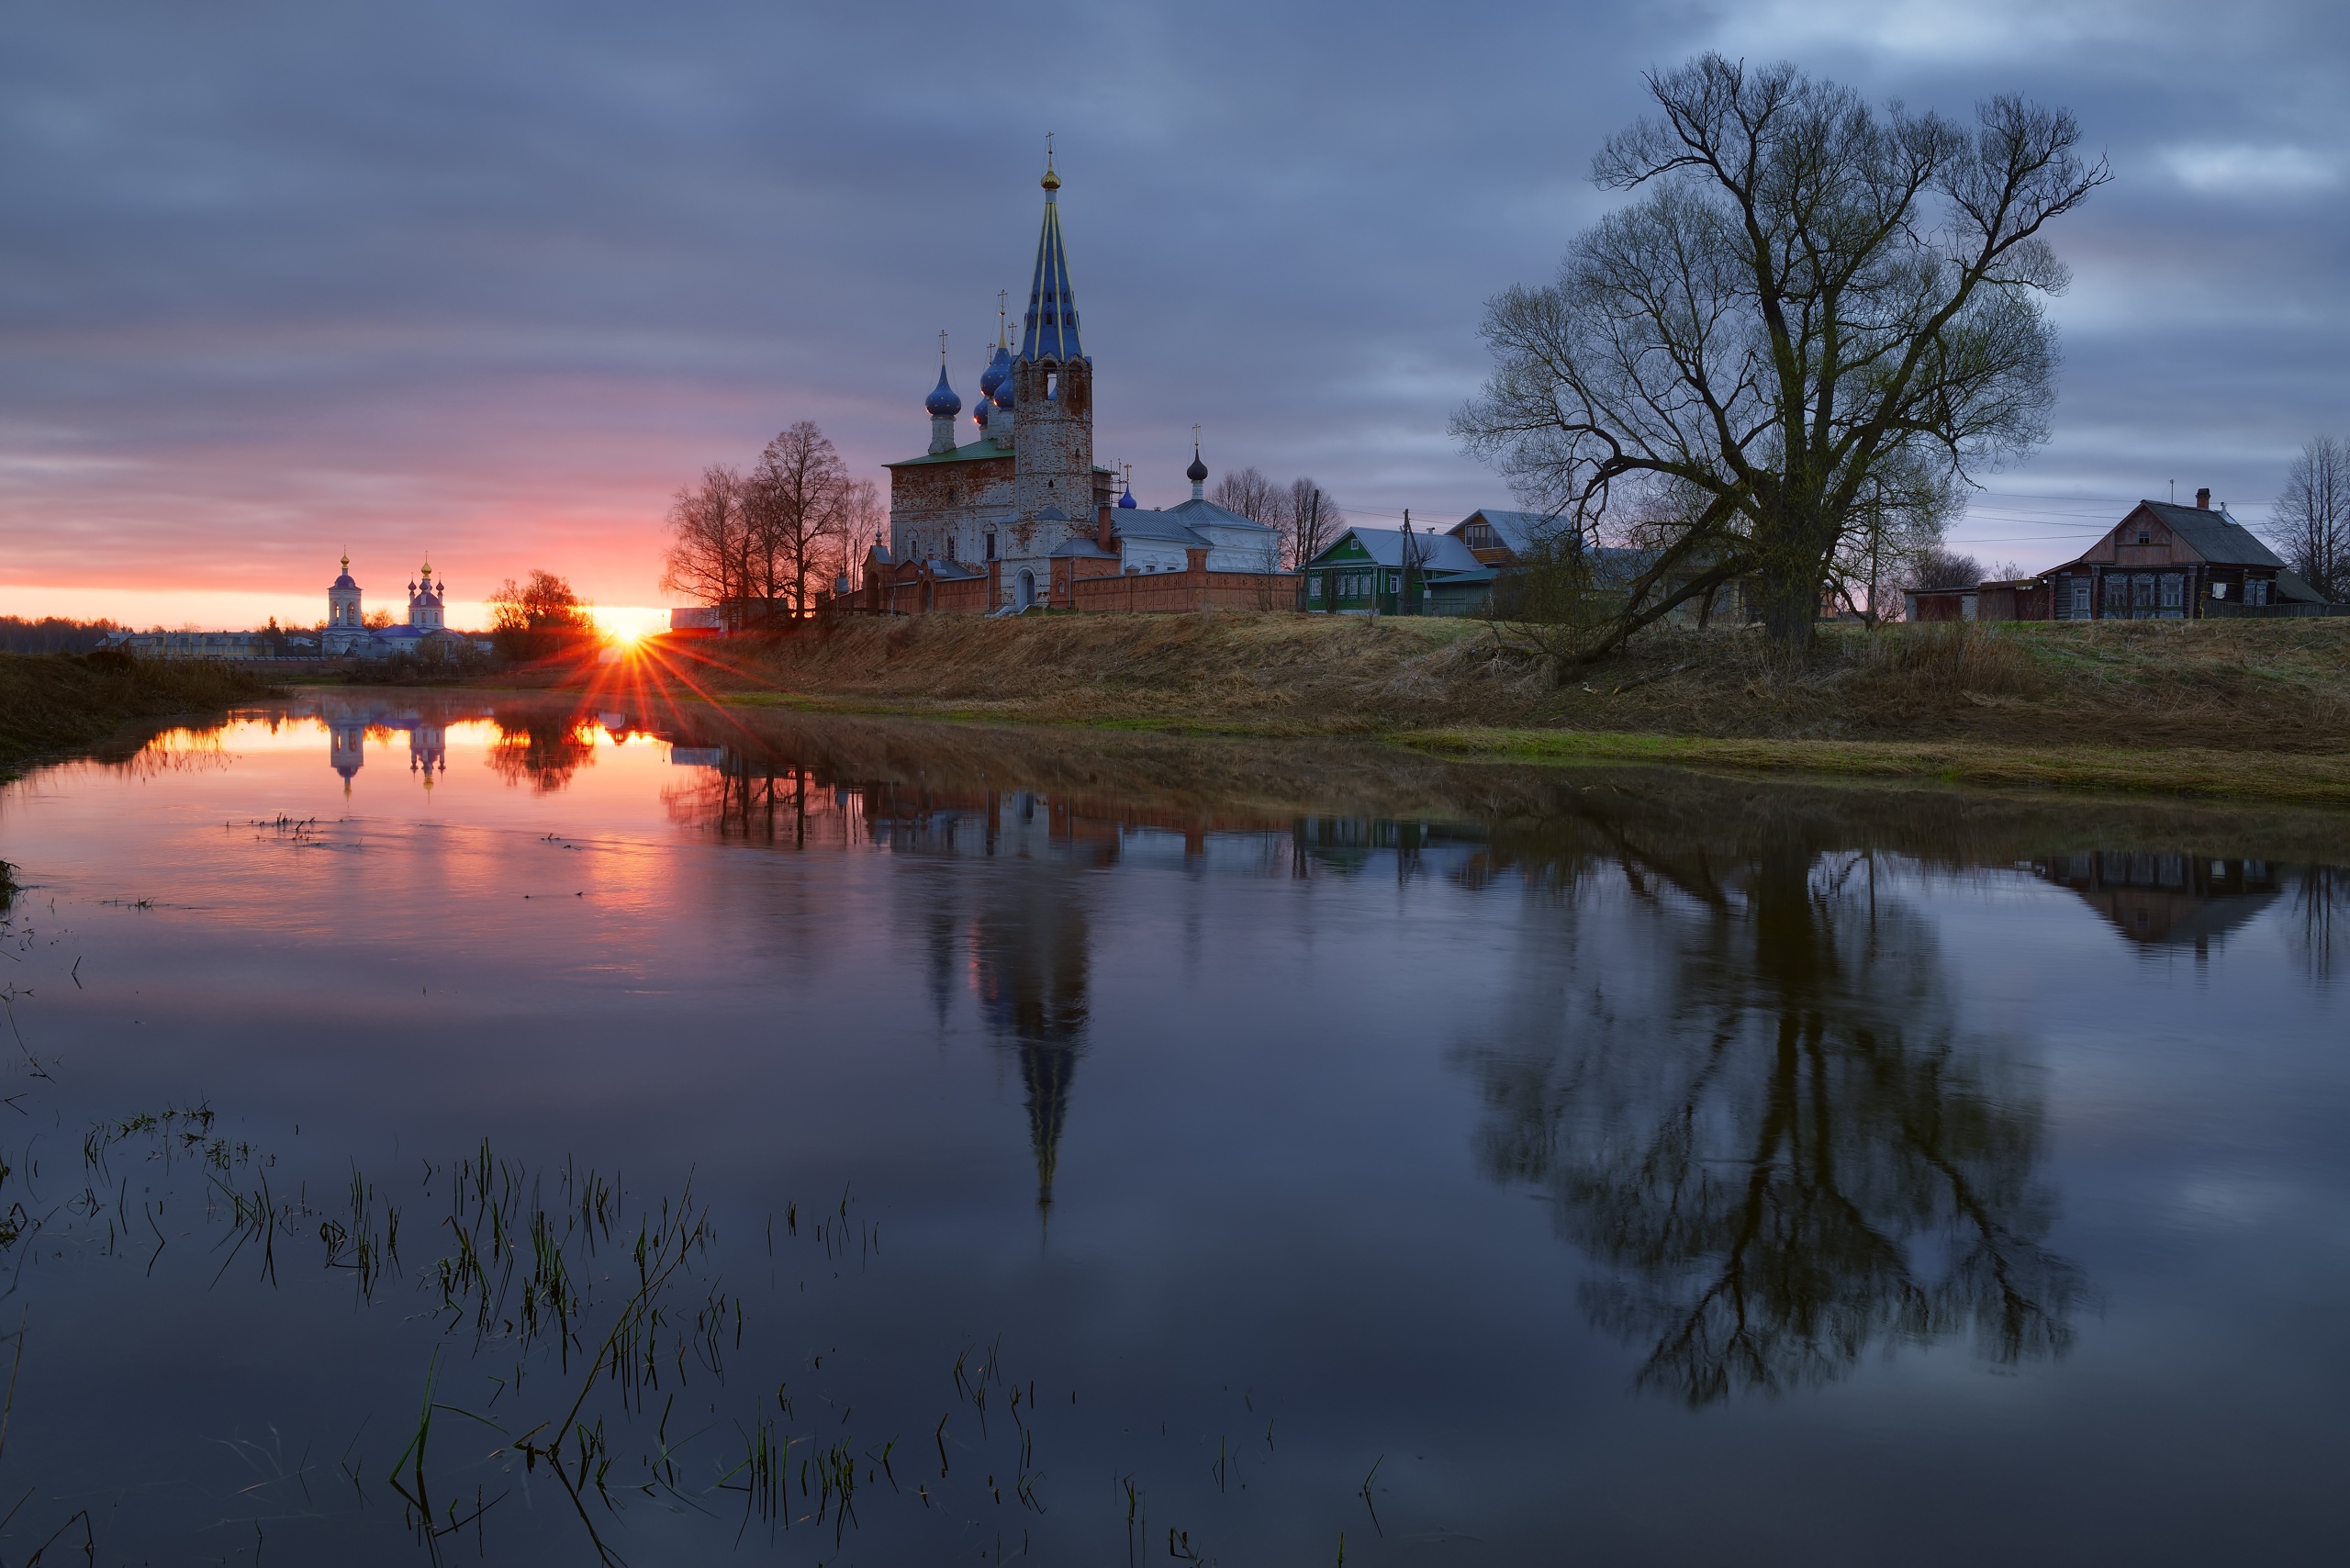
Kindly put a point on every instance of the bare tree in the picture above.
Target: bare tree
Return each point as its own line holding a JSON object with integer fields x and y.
{"x": 1941, "y": 570}
{"x": 2311, "y": 520}
{"x": 1251, "y": 495}
{"x": 1310, "y": 520}
{"x": 1897, "y": 529}
{"x": 800, "y": 509}
{"x": 1805, "y": 291}
{"x": 710, "y": 553}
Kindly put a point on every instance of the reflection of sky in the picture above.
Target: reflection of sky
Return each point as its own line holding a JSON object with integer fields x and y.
{"x": 1267, "y": 1206}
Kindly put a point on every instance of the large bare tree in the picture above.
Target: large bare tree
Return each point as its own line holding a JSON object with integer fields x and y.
{"x": 1804, "y": 291}
{"x": 710, "y": 552}
{"x": 801, "y": 510}
{"x": 2311, "y": 520}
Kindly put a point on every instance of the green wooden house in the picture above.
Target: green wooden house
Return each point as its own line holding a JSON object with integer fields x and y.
{"x": 1364, "y": 572}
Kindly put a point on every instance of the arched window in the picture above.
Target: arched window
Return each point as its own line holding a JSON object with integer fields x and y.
{"x": 991, "y": 544}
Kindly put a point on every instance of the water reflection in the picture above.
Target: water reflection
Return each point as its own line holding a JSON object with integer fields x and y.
{"x": 2168, "y": 899}
{"x": 542, "y": 750}
{"x": 1737, "y": 1036}
{"x": 1778, "y": 1139}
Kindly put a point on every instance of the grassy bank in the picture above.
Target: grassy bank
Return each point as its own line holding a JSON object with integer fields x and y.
{"x": 53, "y": 704}
{"x": 2237, "y": 709}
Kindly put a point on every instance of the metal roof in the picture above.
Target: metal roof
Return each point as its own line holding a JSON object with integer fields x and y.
{"x": 1143, "y": 522}
{"x": 2214, "y": 535}
{"x": 1197, "y": 513}
{"x": 983, "y": 448}
{"x": 1049, "y": 331}
{"x": 1518, "y": 529}
{"x": 1437, "y": 551}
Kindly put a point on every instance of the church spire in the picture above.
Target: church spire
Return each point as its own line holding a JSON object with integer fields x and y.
{"x": 1050, "y": 329}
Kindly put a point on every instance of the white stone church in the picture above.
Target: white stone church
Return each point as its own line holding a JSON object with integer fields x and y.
{"x": 1023, "y": 505}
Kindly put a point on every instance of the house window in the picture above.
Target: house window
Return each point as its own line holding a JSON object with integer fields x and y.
{"x": 2145, "y": 536}
{"x": 1312, "y": 587}
{"x": 2256, "y": 591}
{"x": 2174, "y": 591}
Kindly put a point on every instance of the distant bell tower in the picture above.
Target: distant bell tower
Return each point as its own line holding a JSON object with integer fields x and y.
{"x": 1052, "y": 391}
{"x": 345, "y": 621}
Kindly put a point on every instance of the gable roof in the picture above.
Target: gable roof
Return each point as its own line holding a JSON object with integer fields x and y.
{"x": 1517, "y": 529}
{"x": 2214, "y": 535}
{"x": 1437, "y": 551}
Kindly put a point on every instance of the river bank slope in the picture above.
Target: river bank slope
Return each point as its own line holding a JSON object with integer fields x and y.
{"x": 53, "y": 704}
{"x": 2248, "y": 709}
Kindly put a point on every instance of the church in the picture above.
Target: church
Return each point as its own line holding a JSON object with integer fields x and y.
{"x": 1021, "y": 516}
{"x": 425, "y": 634}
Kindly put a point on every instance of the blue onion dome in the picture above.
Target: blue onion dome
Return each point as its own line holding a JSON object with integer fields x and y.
{"x": 998, "y": 371}
{"x": 1003, "y": 394}
{"x": 1128, "y": 499}
{"x": 942, "y": 402}
{"x": 1198, "y": 472}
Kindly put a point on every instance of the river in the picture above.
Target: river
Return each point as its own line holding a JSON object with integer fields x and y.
{"x": 452, "y": 1126}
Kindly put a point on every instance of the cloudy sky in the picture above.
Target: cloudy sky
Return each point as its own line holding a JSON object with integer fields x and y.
{"x": 490, "y": 278}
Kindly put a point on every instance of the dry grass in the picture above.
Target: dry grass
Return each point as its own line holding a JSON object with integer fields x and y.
{"x": 2272, "y": 686}
{"x": 56, "y": 703}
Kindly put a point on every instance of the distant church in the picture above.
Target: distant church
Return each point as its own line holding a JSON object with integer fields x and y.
{"x": 425, "y": 634}
{"x": 1023, "y": 516}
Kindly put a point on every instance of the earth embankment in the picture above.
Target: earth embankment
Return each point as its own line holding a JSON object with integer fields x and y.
{"x": 56, "y": 704}
{"x": 2255, "y": 709}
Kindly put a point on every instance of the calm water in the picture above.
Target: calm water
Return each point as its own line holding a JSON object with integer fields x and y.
{"x": 1116, "y": 1150}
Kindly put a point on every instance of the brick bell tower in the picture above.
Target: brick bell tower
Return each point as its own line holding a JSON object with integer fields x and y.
{"x": 1052, "y": 401}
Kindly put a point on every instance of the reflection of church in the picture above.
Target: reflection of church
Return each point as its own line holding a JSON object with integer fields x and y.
{"x": 2166, "y": 901}
{"x": 349, "y": 725}
{"x": 1024, "y": 944}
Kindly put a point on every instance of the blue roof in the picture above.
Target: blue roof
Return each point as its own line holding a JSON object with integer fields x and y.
{"x": 1048, "y": 330}
{"x": 942, "y": 402}
{"x": 998, "y": 371}
{"x": 1436, "y": 552}
{"x": 1519, "y": 530}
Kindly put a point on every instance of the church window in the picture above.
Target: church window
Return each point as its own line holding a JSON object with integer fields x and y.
{"x": 991, "y": 544}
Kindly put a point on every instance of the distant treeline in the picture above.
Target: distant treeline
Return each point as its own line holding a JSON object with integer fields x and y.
{"x": 51, "y": 635}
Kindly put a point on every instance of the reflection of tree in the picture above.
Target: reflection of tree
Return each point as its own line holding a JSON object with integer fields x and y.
{"x": 545, "y": 748}
{"x": 2321, "y": 918}
{"x": 1795, "y": 1154}
{"x": 757, "y": 800}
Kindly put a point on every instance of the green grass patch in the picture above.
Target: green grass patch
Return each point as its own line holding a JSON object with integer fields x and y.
{"x": 2322, "y": 779}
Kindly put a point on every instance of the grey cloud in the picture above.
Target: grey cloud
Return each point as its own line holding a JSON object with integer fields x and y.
{"x": 505, "y": 275}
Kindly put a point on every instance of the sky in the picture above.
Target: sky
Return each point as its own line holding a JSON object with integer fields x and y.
{"x": 491, "y": 279}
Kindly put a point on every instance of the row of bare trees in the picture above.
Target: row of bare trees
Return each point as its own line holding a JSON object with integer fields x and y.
{"x": 1307, "y": 518}
{"x": 760, "y": 544}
